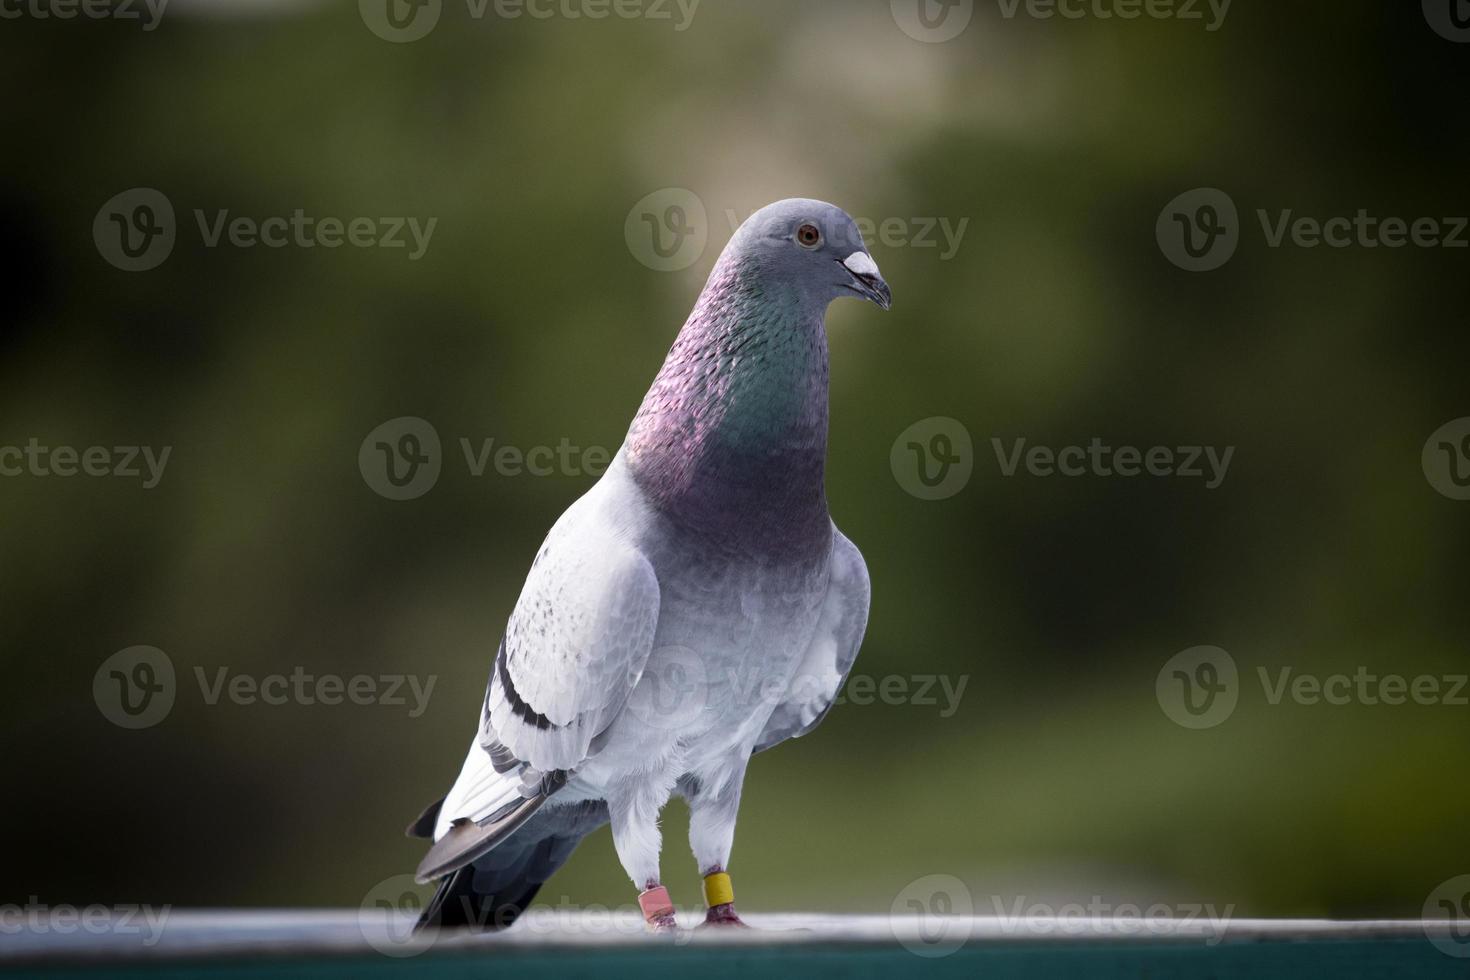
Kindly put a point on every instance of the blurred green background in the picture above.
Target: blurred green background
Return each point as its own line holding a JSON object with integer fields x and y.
{"x": 530, "y": 320}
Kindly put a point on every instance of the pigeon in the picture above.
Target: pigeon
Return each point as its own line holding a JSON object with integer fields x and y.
{"x": 695, "y": 607}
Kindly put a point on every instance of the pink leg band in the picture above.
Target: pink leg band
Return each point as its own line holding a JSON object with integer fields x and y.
{"x": 655, "y": 902}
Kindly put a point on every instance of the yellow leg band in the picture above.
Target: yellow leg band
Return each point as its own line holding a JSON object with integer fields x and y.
{"x": 717, "y": 889}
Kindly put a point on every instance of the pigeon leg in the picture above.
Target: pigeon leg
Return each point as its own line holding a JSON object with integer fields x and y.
{"x": 712, "y": 813}
{"x": 633, "y": 809}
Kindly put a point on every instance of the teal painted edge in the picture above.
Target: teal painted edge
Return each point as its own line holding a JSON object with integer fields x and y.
{"x": 1371, "y": 959}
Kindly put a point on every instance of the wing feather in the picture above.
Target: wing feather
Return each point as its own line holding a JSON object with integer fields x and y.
{"x": 575, "y": 644}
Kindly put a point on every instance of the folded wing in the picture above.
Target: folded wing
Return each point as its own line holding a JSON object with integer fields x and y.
{"x": 575, "y": 645}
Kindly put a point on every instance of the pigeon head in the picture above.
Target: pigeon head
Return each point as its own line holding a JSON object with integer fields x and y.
{"x": 810, "y": 249}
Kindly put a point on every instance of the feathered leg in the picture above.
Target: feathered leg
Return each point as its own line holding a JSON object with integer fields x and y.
{"x": 634, "y": 808}
{"x": 713, "y": 807}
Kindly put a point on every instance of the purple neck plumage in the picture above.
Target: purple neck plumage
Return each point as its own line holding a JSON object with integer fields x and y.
{"x": 731, "y": 440}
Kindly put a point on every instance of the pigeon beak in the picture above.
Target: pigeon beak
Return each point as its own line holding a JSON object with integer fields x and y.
{"x": 867, "y": 281}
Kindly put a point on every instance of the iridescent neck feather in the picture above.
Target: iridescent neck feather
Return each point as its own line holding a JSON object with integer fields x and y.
{"x": 731, "y": 439}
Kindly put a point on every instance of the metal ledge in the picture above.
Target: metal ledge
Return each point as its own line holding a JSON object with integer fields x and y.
{"x": 319, "y": 944}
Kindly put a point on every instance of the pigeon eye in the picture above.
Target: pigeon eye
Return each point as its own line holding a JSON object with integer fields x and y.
{"x": 807, "y": 236}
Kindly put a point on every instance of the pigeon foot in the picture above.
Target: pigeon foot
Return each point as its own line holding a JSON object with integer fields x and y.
{"x": 724, "y": 915}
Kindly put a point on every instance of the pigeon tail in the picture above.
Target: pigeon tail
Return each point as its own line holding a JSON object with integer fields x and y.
{"x": 465, "y": 840}
{"x": 495, "y": 889}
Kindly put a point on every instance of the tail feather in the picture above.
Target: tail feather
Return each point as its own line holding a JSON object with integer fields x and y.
{"x": 459, "y": 903}
{"x": 491, "y": 892}
{"x": 484, "y": 806}
{"x": 424, "y": 825}
{"x": 466, "y": 840}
